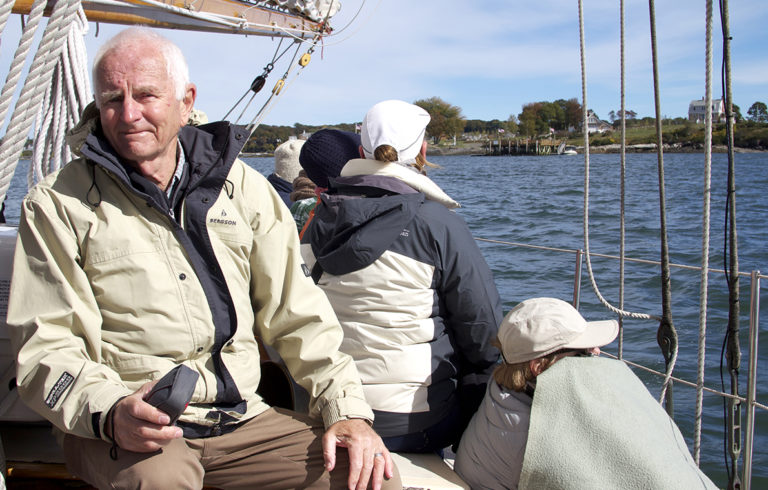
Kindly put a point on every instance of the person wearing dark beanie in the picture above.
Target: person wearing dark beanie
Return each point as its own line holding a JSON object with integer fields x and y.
{"x": 409, "y": 285}
{"x": 322, "y": 157}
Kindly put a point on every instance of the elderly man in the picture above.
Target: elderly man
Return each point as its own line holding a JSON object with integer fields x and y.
{"x": 158, "y": 248}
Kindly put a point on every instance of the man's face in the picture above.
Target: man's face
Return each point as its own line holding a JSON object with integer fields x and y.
{"x": 140, "y": 115}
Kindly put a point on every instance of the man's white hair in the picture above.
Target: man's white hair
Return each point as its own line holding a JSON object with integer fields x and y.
{"x": 178, "y": 71}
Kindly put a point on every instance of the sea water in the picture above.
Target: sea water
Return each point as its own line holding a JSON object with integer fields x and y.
{"x": 540, "y": 201}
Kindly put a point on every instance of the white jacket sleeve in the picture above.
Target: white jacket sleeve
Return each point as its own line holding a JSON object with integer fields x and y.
{"x": 55, "y": 325}
{"x": 295, "y": 317}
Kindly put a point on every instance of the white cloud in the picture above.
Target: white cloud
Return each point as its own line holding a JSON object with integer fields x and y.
{"x": 488, "y": 57}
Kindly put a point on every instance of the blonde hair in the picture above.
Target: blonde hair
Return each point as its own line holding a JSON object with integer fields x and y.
{"x": 386, "y": 153}
{"x": 516, "y": 376}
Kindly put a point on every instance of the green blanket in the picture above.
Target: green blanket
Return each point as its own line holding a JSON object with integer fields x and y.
{"x": 595, "y": 425}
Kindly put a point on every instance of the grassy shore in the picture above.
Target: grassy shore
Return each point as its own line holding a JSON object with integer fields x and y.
{"x": 677, "y": 137}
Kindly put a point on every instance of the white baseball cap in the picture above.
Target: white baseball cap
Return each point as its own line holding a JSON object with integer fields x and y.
{"x": 395, "y": 123}
{"x": 540, "y": 326}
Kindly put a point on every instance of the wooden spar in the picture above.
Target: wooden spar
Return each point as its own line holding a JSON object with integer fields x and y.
{"x": 223, "y": 16}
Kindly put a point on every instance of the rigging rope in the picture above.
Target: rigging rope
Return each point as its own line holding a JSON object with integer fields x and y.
{"x": 703, "y": 290}
{"x": 585, "y": 124}
{"x": 731, "y": 265}
{"x": 666, "y": 335}
{"x": 278, "y": 89}
{"x": 623, "y": 174}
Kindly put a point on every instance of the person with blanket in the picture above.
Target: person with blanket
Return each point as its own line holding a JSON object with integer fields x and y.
{"x": 556, "y": 416}
{"x": 410, "y": 287}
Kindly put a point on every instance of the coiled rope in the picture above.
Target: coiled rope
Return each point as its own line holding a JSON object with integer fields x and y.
{"x": 64, "y": 100}
{"x": 25, "y": 44}
{"x": 46, "y": 58}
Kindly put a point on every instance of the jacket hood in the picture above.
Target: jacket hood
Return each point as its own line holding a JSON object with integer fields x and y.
{"x": 89, "y": 122}
{"x": 350, "y": 232}
{"x": 417, "y": 181}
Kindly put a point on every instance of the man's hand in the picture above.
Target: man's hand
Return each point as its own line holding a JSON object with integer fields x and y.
{"x": 138, "y": 426}
{"x": 367, "y": 453}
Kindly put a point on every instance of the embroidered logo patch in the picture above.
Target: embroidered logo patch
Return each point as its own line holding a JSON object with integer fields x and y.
{"x": 58, "y": 389}
{"x": 306, "y": 270}
{"x": 223, "y": 220}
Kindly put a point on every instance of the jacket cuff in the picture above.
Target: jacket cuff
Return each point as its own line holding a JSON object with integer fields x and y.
{"x": 345, "y": 409}
{"x": 100, "y": 409}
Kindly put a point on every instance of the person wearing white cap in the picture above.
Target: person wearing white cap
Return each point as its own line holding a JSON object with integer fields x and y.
{"x": 555, "y": 416}
{"x": 287, "y": 168}
{"x": 410, "y": 287}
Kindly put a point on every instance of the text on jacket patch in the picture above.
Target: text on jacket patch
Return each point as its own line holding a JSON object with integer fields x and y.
{"x": 405, "y": 232}
{"x": 222, "y": 220}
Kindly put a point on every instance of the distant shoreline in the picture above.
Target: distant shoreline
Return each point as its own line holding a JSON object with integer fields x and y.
{"x": 479, "y": 149}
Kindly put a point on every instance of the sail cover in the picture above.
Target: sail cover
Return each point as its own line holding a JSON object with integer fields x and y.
{"x": 315, "y": 10}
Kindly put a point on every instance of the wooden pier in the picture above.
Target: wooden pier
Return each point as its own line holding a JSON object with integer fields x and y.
{"x": 523, "y": 146}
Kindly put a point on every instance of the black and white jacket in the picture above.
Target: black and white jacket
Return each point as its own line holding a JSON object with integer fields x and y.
{"x": 411, "y": 289}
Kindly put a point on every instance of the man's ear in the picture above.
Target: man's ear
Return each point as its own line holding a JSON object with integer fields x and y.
{"x": 360, "y": 149}
{"x": 188, "y": 102}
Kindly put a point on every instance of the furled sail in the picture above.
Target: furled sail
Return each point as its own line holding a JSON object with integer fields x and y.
{"x": 288, "y": 18}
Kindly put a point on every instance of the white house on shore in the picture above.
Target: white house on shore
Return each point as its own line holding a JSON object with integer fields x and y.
{"x": 697, "y": 110}
{"x": 595, "y": 124}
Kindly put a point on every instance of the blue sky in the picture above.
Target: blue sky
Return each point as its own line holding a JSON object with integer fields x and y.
{"x": 487, "y": 57}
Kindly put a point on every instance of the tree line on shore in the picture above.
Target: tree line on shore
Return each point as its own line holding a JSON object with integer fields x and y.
{"x": 561, "y": 118}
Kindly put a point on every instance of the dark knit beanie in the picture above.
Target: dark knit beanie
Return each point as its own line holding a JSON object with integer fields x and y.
{"x": 326, "y": 152}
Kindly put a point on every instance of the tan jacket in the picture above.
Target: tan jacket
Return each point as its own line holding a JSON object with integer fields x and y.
{"x": 107, "y": 292}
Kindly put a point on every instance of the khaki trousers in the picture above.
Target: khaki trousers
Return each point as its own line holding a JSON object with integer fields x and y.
{"x": 278, "y": 449}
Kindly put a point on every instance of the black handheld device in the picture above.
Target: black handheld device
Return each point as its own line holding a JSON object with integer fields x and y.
{"x": 174, "y": 390}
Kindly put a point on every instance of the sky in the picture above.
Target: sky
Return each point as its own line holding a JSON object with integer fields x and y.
{"x": 488, "y": 57}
